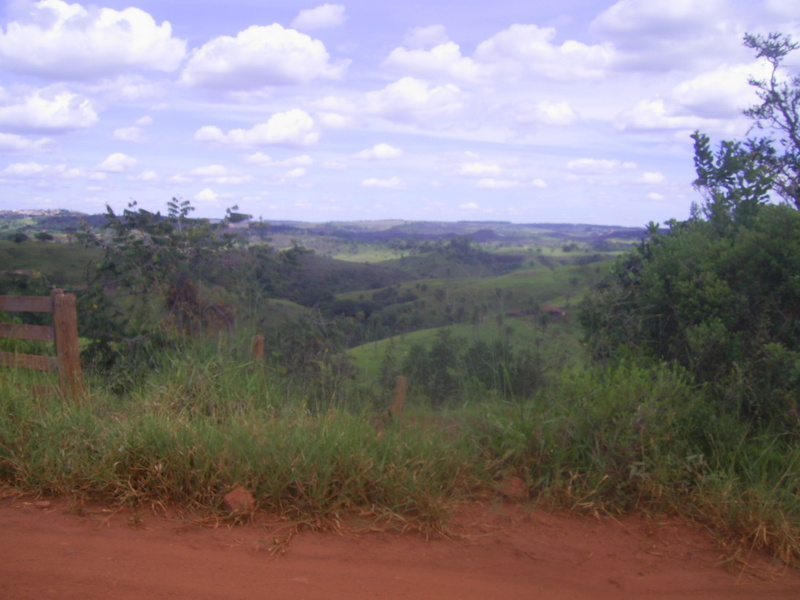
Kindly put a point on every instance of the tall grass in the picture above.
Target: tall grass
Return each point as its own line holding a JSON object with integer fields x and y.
{"x": 627, "y": 439}
{"x": 198, "y": 430}
{"x": 645, "y": 439}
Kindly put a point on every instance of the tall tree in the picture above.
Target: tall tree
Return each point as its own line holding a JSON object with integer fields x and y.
{"x": 720, "y": 292}
{"x": 778, "y": 113}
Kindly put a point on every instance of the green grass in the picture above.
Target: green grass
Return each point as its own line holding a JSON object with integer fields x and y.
{"x": 598, "y": 441}
{"x": 61, "y": 264}
{"x": 559, "y": 340}
{"x": 366, "y": 254}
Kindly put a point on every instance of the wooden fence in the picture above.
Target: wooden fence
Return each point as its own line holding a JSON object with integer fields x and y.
{"x": 63, "y": 333}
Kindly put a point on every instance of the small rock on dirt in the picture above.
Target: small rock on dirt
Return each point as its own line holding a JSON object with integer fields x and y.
{"x": 239, "y": 501}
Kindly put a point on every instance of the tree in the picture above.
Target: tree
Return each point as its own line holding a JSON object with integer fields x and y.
{"x": 778, "y": 113}
{"x": 146, "y": 291}
{"x": 43, "y": 236}
{"x": 720, "y": 293}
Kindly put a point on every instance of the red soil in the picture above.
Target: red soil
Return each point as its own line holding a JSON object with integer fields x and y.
{"x": 497, "y": 551}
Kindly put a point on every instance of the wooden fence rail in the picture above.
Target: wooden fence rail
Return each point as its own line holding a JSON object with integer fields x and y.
{"x": 63, "y": 333}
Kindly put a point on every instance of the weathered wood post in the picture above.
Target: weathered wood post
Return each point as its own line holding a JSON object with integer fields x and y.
{"x": 400, "y": 387}
{"x": 258, "y": 348}
{"x": 65, "y": 330}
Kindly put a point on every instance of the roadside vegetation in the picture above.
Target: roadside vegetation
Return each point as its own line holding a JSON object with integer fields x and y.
{"x": 660, "y": 378}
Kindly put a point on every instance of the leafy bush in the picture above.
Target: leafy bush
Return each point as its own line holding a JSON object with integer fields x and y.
{"x": 720, "y": 293}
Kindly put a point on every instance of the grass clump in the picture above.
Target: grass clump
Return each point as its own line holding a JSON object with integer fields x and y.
{"x": 644, "y": 439}
{"x": 599, "y": 441}
{"x": 195, "y": 434}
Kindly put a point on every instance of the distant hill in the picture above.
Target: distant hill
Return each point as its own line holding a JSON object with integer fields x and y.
{"x": 479, "y": 231}
{"x": 53, "y": 220}
{"x": 378, "y": 231}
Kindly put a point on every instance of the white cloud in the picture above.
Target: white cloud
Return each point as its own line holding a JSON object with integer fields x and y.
{"x": 41, "y": 172}
{"x": 497, "y": 184}
{"x": 16, "y": 144}
{"x": 599, "y": 165}
{"x": 413, "y": 100}
{"x": 784, "y": 8}
{"x": 657, "y": 114}
{"x": 514, "y": 53}
{"x": 638, "y": 17}
{"x": 129, "y": 134}
{"x": 444, "y": 60}
{"x": 24, "y": 170}
{"x": 380, "y": 151}
{"x": 48, "y": 111}
{"x": 393, "y": 182}
{"x": 670, "y": 34}
{"x": 260, "y": 56}
{"x": 425, "y": 37}
{"x": 303, "y": 160}
{"x": 469, "y": 206}
{"x": 132, "y": 89}
{"x": 493, "y": 171}
{"x": 117, "y": 163}
{"x": 479, "y": 169}
{"x": 81, "y": 174}
{"x": 546, "y": 113}
{"x": 217, "y": 174}
{"x": 67, "y": 41}
{"x": 335, "y": 120}
{"x": 264, "y": 160}
{"x": 321, "y": 17}
{"x": 206, "y": 195}
{"x": 144, "y": 176}
{"x": 651, "y": 178}
{"x": 294, "y": 128}
{"x": 296, "y": 173}
{"x": 722, "y": 93}
{"x": 525, "y": 49}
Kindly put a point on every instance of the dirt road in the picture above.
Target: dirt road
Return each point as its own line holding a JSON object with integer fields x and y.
{"x": 499, "y": 551}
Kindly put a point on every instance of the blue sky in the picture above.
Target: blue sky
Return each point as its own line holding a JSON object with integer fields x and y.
{"x": 574, "y": 111}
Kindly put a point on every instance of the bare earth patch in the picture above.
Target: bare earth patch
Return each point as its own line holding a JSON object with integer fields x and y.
{"x": 498, "y": 551}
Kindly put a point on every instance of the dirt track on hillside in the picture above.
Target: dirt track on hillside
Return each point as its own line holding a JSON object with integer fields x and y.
{"x": 47, "y": 551}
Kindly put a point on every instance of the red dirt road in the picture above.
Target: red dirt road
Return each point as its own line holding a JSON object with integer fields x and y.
{"x": 500, "y": 551}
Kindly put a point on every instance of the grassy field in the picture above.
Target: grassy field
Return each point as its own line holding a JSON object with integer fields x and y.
{"x": 594, "y": 441}
{"x": 559, "y": 341}
{"x": 60, "y": 264}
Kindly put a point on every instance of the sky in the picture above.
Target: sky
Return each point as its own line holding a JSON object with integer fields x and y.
{"x": 575, "y": 111}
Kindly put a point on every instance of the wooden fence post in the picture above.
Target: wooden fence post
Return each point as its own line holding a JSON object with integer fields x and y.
{"x": 258, "y": 348}
{"x": 400, "y": 387}
{"x": 65, "y": 329}
{"x": 63, "y": 333}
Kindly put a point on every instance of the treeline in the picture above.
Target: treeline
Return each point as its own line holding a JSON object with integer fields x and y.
{"x": 719, "y": 293}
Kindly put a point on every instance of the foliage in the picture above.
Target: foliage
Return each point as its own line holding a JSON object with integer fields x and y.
{"x": 779, "y": 114}
{"x": 146, "y": 291}
{"x": 450, "y": 368}
{"x": 720, "y": 292}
